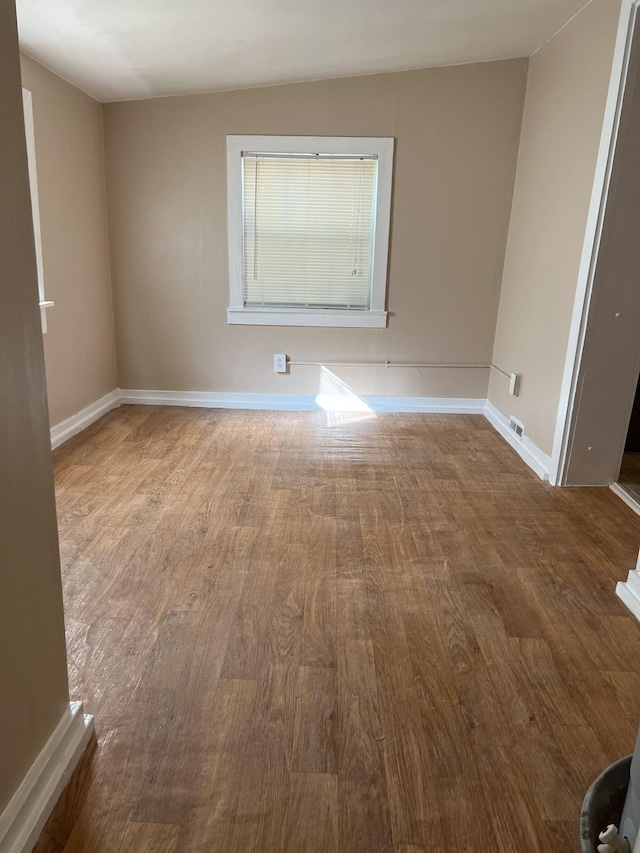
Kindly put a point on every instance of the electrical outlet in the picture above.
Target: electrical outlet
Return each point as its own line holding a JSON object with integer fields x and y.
{"x": 280, "y": 363}
{"x": 514, "y": 384}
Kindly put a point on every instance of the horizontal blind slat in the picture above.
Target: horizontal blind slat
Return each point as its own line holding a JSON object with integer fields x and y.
{"x": 308, "y": 231}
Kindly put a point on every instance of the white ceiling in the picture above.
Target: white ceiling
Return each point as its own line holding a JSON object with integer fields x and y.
{"x": 125, "y": 49}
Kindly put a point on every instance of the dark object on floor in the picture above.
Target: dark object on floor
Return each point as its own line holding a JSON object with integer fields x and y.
{"x": 632, "y": 444}
{"x": 603, "y": 803}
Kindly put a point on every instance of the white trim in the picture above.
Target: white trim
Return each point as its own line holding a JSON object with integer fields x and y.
{"x": 538, "y": 461}
{"x": 591, "y": 245}
{"x": 383, "y": 147}
{"x": 428, "y": 405}
{"x": 76, "y": 423}
{"x": 306, "y": 317}
{"x": 624, "y": 495}
{"x": 218, "y": 400}
{"x": 23, "y": 819}
{"x": 530, "y": 453}
{"x": 629, "y": 592}
{"x": 299, "y": 402}
{"x": 30, "y": 138}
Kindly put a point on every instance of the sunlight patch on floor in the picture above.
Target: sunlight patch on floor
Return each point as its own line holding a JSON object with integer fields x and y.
{"x": 340, "y": 401}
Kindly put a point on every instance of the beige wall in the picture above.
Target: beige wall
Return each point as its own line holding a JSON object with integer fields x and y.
{"x": 564, "y": 109}
{"x": 79, "y": 343}
{"x": 33, "y": 677}
{"x": 457, "y": 132}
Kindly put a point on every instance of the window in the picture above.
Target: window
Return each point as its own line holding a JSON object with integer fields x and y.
{"x": 27, "y": 107}
{"x": 308, "y": 230}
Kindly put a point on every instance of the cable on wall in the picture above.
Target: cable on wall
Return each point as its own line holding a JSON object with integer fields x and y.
{"x": 500, "y": 371}
{"x": 385, "y": 364}
{"x": 431, "y": 365}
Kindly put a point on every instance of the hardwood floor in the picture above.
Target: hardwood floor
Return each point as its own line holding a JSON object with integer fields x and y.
{"x": 330, "y": 632}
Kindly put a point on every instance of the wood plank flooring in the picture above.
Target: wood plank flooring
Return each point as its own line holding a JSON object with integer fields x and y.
{"x": 312, "y": 632}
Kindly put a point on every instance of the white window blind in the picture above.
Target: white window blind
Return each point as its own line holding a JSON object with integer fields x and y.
{"x": 308, "y": 230}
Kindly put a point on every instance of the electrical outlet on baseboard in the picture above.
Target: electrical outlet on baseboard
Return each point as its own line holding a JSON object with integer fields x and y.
{"x": 280, "y": 363}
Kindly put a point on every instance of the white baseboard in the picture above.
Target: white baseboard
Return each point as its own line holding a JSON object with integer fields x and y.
{"x": 302, "y": 403}
{"x": 629, "y": 592}
{"x": 524, "y": 447}
{"x": 220, "y": 400}
{"x": 532, "y": 455}
{"x": 24, "y": 818}
{"x": 432, "y": 405}
{"x": 266, "y": 402}
{"x": 76, "y": 423}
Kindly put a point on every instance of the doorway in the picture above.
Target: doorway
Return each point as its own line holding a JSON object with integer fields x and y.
{"x": 600, "y": 426}
{"x": 629, "y": 477}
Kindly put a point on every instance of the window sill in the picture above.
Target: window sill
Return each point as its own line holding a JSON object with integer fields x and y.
{"x": 307, "y": 317}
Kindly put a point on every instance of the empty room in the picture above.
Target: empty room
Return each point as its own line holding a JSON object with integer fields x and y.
{"x": 319, "y": 350}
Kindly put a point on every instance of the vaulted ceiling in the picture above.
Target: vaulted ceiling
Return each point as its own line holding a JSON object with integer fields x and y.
{"x": 126, "y": 49}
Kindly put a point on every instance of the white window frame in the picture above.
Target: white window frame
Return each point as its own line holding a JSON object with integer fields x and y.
{"x": 27, "y": 107}
{"x": 376, "y": 315}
